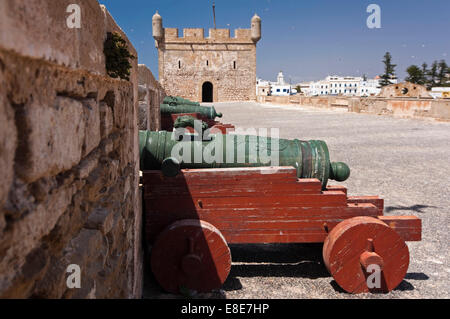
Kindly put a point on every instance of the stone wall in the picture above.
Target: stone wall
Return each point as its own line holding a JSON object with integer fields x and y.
{"x": 401, "y": 107}
{"x": 404, "y": 89}
{"x": 69, "y": 156}
{"x": 227, "y": 62}
{"x": 151, "y": 96}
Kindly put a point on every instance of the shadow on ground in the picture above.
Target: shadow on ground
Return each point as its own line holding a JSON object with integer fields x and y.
{"x": 270, "y": 260}
{"x": 416, "y": 208}
{"x": 275, "y": 260}
{"x": 251, "y": 260}
{"x": 404, "y": 285}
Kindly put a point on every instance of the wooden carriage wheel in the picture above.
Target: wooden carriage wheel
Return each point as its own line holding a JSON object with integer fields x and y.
{"x": 355, "y": 245}
{"x": 191, "y": 254}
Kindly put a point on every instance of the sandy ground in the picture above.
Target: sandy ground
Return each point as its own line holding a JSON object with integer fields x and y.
{"x": 405, "y": 161}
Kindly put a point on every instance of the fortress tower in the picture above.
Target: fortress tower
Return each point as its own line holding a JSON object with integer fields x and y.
{"x": 216, "y": 68}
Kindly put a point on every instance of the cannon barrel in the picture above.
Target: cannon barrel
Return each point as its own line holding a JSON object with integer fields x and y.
{"x": 207, "y": 111}
{"x": 164, "y": 151}
{"x": 176, "y": 100}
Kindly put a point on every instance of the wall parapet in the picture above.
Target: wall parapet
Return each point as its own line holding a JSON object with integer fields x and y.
{"x": 69, "y": 156}
{"x": 402, "y": 107}
{"x": 197, "y": 35}
{"x": 151, "y": 96}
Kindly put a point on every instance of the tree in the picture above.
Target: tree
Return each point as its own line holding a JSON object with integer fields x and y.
{"x": 442, "y": 73}
{"x": 425, "y": 68}
{"x": 298, "y": 88}
{"x": 364, "y": 77}
{"x": 415, "y": 75}
{"x": 389, "y": 70}
{"x": 425, "y": 73}
{"x": 433, "y": 74}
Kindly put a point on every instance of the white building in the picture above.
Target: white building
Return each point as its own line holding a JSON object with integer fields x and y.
{"x": 370, "y": 87}
{"x": 278, "y": 88}
{"x": 262, "y": 87}
{"x": 342, "y": 86}
{"x": 440, "y": 92}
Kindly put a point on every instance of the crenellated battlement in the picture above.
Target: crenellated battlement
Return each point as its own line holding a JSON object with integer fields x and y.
{"x": 189, "y": 35}
{"x": 208, "y": 64}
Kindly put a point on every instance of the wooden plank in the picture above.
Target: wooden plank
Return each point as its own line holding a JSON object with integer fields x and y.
{"x": 267, "y": 213}
{"x": 408, "y": 227}
{"x": 275, "y": 238}
{"x": 375, "y": 200}
{"x": 242, "y": 189}
{"x": 337, "y": 188}
{"x": 327, "y": 199}
{"x": 229, "y": 182}
{"x": 221, "y": 176}
{"x": 269, "y": 221}
{"x": 234, "y": 187}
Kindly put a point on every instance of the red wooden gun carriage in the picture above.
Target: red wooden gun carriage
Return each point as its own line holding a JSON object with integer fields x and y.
{"x": 192, "y": 217}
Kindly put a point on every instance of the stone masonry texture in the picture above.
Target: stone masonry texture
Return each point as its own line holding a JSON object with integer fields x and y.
{"x": 229, "y": 63}
{"x": 151, "y": 95}
{"x": 69, "y": 159}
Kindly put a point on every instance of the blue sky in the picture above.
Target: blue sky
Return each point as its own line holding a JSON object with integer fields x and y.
{"x": 308, "y": 40}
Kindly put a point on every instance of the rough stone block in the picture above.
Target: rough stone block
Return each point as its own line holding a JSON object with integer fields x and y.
{"x": 143, "y": 115}
{"x": 88, "y": 250}
{"x": 26, "y": 233}
{"x": 100, "y": 219}
{"x": 87, "y": 166}
{"x": 106, "y": 120}
{"x": 54, "y": 140}
{"x": 38, "y": 28}
{"x": 8, "y": 142}
{"x": 92, "y": 119}
{"x": 53, "y": 284}
{"x": 2, "y": 223}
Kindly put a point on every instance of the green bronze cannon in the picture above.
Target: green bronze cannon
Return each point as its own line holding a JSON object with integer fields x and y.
{"x": 209, "y": 112}
{"x": 170, "y": 151}
{"x": 176, "y": 100}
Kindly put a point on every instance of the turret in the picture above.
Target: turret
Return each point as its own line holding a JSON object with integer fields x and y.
{"x": 158, "y": 31}
{"x": 256, "y": 28}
